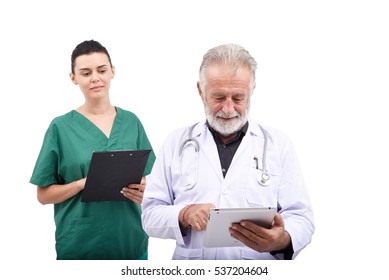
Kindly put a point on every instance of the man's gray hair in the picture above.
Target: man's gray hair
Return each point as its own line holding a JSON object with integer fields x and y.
{"x": 232, "y": 56}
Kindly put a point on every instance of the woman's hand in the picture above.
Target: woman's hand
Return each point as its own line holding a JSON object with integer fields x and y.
{"x": 135, "y": 192}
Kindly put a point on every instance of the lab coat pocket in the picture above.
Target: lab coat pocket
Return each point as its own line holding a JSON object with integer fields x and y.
{"x": 181, "y": 253}
{"x": 258, "y": 195}
{"x": 250, "y": 254}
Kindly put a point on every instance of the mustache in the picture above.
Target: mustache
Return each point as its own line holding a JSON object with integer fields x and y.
{"x": 227, "y": 116}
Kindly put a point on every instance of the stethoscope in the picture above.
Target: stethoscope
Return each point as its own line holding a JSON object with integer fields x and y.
{"x": 263, "y": 177}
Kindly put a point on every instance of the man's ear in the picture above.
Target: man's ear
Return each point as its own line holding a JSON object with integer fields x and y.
{"x": 73, "y": 78}
{"x": 199, "y": 90}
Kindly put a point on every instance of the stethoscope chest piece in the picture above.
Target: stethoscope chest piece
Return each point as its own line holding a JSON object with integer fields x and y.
{"x": 264, "y": 179}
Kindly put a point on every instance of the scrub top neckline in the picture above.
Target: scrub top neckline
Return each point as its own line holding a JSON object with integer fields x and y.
{"x": 90, "y": 126}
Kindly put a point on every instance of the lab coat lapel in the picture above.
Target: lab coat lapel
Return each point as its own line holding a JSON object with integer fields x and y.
{"x": 241, "y": 149}
{"x": 208, "y": 149}
{"x": 245, "y": 144}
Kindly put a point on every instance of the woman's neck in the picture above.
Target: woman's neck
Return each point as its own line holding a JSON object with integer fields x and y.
{"x": 96, "y": 109}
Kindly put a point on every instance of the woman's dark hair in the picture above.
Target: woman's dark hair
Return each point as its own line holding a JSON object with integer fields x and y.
{"x": 88, "y": 47}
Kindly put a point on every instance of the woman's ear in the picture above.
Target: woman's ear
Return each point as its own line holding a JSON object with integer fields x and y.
{"x": 113, "y": 71}
{"x": 73, "y": 78}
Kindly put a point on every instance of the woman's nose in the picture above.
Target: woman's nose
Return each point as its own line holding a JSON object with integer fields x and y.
{"x": 95, "y": 77}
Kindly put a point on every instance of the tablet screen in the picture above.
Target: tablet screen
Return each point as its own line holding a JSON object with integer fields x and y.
{"x": 220, "y": 220}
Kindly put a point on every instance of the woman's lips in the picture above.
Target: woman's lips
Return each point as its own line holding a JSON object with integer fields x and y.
{"x": 97, "y": 88}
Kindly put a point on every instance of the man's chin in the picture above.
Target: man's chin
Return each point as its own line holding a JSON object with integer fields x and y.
{"x": 225, "y": 132}
{"x": 228, "y": 127}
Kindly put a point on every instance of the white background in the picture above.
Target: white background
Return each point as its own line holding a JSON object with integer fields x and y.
{"x": 322, "y": 79}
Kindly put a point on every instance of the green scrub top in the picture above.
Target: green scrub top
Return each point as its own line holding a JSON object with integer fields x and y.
{"x": 92, "y": 230}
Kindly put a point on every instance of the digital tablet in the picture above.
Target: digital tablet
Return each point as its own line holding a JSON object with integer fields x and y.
{"x": 110, "y": 171}
{"x": 220, "y": 220}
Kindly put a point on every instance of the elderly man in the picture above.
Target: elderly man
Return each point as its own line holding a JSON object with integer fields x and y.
{"x": 217, "y": 163}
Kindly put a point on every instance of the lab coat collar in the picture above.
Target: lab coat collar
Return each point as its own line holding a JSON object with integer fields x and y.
{"x": 199, "y": 128}
{"x": 254, "y": 128}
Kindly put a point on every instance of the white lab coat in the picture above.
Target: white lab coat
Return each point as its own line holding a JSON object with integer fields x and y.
{"x": 165, "y": 196}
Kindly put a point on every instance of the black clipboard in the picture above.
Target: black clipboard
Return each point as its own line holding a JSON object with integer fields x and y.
{"x": 110, "y": 171}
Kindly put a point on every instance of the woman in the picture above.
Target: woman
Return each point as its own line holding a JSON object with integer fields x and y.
{"x": 91, "y": 230}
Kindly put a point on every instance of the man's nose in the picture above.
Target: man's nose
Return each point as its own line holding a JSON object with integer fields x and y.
{"x": 228, "y": 106}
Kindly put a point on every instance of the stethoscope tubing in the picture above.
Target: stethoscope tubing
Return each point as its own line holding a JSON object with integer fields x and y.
{"x": 263, "y": 178}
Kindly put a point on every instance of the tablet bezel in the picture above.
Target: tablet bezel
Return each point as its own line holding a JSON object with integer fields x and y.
{"x": 220, "y": 220}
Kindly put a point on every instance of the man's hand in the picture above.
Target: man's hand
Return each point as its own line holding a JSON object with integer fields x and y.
{"x": 195, "y": 215}
{"x": 262, "y": 239}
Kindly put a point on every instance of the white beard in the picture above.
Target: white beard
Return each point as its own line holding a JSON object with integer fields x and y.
{"x": 225, "y": 128}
